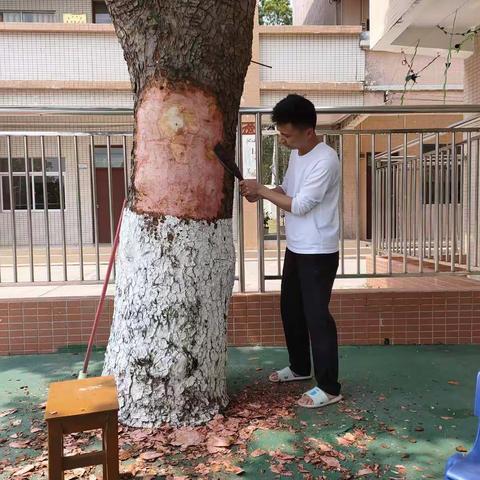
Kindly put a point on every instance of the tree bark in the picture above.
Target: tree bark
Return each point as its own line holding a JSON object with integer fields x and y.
{"x": 175, "y": 266}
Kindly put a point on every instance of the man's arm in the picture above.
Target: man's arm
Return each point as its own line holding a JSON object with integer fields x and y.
{"x": 311, "y": 194}
{"x": 277, "y": 196}
{"x": 256, "y": 197}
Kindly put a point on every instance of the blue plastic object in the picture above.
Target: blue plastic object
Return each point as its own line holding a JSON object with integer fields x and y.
{"x": 467, "y": 467}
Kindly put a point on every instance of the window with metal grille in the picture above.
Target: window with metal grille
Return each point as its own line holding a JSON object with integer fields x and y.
{"x": 40, "y": 16}
{"x": 32, "y": 193}
{"x": 100, "y": 13}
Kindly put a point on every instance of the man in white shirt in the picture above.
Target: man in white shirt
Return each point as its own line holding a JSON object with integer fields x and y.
{"x": 309, "y": 196}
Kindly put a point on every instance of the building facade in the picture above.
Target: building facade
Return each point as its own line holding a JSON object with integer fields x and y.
{"x": 451, "y": 30}
{"x": 65, "y": 54}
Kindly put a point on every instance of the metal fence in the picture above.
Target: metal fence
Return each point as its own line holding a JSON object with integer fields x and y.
{"x": 408, "y": 206}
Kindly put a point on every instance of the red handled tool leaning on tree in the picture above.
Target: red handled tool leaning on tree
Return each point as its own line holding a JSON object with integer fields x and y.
{"x": 83, "y": 372}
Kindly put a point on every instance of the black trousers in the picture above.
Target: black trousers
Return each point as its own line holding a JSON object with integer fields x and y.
{"x": 307, "y": 283}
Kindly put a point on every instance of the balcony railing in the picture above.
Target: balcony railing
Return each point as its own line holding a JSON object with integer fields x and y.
{"x": 409, "y": 198}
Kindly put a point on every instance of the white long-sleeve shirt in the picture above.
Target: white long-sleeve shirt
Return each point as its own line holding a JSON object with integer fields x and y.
{"x": 313, "y": 182}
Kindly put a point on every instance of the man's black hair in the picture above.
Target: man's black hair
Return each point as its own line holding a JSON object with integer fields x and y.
{"x": 296, "y": 110}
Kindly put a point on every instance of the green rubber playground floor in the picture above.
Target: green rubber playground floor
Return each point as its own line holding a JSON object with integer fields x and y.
{"x": 406, "y": 410}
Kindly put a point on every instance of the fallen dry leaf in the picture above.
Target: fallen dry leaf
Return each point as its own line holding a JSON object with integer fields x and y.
{"x": 25, "y": 469}
{"x": 281, "y": 457}
{"x": 364, "y": 471}
{"x": 217, "y": 444}
{"x": 257, "y": 453}
{"x": 20, "y": 444}
{"x": 324, "y": 447}
{"x": 343, "y": 442}
{"x": 150, "y": 456}
{"x": 447, "y": 418}
{"x": 330, "y": 462}
{"x": 8, "y": 412}
{"x": 138, "y": 435}
{"x": 302, "y": 469}
{"x": 124, "y": 455}
{"x": 235, "y": 469}
{"x": 132, "y": 469}
{"x": 188, "y": 437}
{"x": 77, "y": 473}
{"x": 280, "y": 469}
{"x": 202, "y": 469}
{"x": 453, "y": 382}
{"x": 357, "y": 417}
{"x": 461, "y": 449}
{"x": 347, "y": 440}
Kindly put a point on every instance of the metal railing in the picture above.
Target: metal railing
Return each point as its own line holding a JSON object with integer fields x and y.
{"x": 60, "y": 217}
{"x": 408, "y": 206}
{"x": 422, "y": 204}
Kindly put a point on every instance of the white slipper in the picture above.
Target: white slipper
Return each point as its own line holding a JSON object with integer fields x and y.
{"x": 320, "y": 398}
{"x": 286, "y": 375}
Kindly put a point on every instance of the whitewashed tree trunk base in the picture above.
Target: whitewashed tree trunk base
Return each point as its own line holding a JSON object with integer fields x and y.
{"x": 167, "y": 347}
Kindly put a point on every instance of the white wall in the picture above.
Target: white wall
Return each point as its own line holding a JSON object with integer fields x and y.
{"x": 313, "y": 12}
{"x": 383, "y": 14}
{"x": 61, "y": 56}
{"x": 62, "y": 98}
{"x": 319, "y": 99}
{"x": 312, "y": 58}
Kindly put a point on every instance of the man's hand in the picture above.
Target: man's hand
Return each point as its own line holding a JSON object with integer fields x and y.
{"x": 251, "y": 188}
{"x": 253, "y": 198}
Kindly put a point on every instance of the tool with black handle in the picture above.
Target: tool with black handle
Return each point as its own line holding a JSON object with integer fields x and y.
{"x": 227, "y": 161}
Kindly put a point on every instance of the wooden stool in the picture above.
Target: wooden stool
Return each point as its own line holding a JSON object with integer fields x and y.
{"x": 76, "y": 406}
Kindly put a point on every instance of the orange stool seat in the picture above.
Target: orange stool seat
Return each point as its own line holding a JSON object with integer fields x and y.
{"x": 77, "y": 406}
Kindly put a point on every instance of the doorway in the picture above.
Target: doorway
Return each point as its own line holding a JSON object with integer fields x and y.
{"x": 103, "y": 192}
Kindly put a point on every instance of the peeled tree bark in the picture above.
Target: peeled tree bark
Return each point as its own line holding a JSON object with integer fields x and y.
{"x": 175, "y": 264}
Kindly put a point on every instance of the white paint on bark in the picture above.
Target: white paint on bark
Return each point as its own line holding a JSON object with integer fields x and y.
{"x": 167, "y": 346}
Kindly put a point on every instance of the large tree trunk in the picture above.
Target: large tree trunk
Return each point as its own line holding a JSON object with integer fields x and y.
{"x": 167, "y": 350}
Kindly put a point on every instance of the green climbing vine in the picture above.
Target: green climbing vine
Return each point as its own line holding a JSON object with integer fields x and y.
{"x": 468, "y": 35}
{"x": 412, "y": 76}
